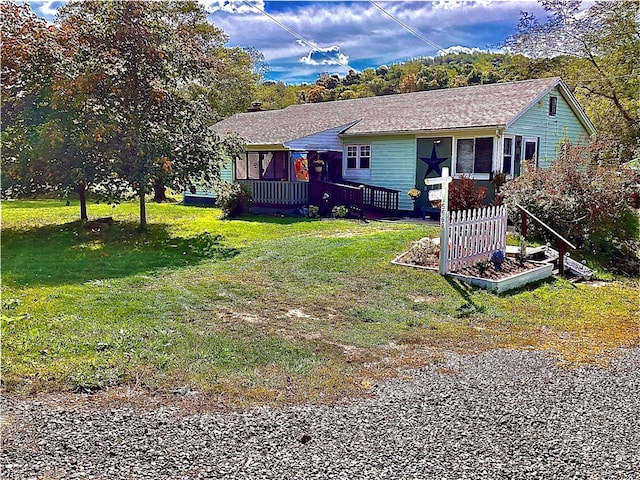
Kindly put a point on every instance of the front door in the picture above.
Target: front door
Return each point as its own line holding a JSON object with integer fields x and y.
{"x": 429, "y": 164}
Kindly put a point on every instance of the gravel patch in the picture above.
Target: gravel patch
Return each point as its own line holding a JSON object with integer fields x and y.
{"x": 503, "y": 414}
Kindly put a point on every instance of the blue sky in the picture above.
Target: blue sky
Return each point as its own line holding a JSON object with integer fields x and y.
{"x": 303, "y": 39}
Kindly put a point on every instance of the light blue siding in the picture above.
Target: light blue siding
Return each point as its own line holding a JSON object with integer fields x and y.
{"x": 326, "y": 140}
{"x": 536, "y": 122}
{"x": 226, "y": 172}
{"x": 393, "y": 164}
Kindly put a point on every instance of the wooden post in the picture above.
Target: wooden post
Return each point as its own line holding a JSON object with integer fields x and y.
{"x": 443, "y": 195}
{"x": 561, "y": 252}
{"x": 523, "y": 226}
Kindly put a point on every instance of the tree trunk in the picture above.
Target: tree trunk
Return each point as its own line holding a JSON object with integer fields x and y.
{"x": 82, "y": 195}
{"x": 143, "y": 210}
{"x": 159, "y": 192}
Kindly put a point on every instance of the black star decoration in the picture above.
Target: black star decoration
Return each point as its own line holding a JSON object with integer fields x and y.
{"x": 433, "y": 163}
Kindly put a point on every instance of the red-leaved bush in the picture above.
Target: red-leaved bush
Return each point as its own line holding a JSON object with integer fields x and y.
{"x": 464, "y": 194}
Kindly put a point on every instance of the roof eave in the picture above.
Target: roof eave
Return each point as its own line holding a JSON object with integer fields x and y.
{"x": 427, "y": 132}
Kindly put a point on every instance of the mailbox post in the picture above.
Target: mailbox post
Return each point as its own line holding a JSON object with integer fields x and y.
{"x": 442, "y": 194}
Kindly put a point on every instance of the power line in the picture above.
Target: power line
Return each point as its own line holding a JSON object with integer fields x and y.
{"x": 309, "y": 44}
{"x": 406, "y": 27}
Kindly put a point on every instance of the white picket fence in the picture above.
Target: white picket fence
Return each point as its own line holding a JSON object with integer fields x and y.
{"x": 474, "y": 235}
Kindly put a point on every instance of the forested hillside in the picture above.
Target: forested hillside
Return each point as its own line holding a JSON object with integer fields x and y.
{"x": 429, "y": 73}
{"x": 597, "y": 55}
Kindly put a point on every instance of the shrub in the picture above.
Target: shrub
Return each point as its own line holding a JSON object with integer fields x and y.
{"x": 464, "y": 194}
{"x": 423, "y": 252}
{"x": 233, "y": 199}
{"x": 339, "y": 211}
{"x": 483, "y": 266}
{"x": 314, "y": 211}
{"x": 582, "y": 198}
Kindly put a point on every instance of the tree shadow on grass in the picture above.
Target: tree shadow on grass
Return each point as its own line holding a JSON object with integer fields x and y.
{"x": 73, "y": 254}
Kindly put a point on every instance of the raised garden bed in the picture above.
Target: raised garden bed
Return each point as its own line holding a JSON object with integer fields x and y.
{"x": 513, "y": 274}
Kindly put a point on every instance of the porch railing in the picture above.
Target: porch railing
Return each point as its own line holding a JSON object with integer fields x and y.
{"x": 327, "y": 195}
{"x": 563, "y": 243}
{"x": 266, "y": 192}
{"x": 379, "y": 198}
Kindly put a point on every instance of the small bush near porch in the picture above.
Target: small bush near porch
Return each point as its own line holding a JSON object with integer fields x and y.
{"x": 259, "y": 309}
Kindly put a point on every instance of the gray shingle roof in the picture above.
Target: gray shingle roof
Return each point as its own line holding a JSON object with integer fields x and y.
{"x": 465, "y": 107}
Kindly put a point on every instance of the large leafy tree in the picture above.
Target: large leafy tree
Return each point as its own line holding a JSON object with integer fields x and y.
{"x": 137, "y": 62}
{"x": 52, "y": 140}
{"x": 28, "y": 56}
{"x": 117, "y": 96}
{"x": 604, "y": 43}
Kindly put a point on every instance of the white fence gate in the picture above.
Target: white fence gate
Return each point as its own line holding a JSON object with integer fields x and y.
{"x": 474, "y": 235}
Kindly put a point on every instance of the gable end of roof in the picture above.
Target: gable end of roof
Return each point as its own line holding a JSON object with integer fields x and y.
{"x": 568, "y": 96}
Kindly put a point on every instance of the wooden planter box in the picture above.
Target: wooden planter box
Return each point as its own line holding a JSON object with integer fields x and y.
{"x": 509, "y": 283}
{"x": 498, "y": 286}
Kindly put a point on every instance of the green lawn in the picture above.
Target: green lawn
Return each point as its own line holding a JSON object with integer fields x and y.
{"x": 260, "y": 309}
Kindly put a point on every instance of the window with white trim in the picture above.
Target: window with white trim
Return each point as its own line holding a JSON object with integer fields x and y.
{"x": 508, "y": 147}
{"x": 474, "y": 155}
{"x": 358, "y": 157}
{"x": 553, "y": 106}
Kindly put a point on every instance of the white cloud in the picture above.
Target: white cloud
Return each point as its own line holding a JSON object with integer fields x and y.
{"x": 47, "y": 9}
{"x": 459, "y": 49}
{"x": 232, "y": 6}
{"x": 325, "y": 56}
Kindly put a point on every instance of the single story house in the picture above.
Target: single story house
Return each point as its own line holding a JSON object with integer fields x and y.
{"x": 388, "y": 145}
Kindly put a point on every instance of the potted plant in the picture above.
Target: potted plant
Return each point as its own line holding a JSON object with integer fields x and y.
{"x": 318, "y": 164}
{"x": 414, "y": 193}
{"x": 339, "y": 211}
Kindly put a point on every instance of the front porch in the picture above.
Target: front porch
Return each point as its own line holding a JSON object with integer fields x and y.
{"x": 359, "y": 199}
{"x": 266, "y": 193}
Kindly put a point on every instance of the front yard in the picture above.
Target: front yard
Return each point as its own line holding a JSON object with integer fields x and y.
{"x": 260, "y": 309}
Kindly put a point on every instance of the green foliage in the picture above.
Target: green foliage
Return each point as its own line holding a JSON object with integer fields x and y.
{"x": 115, "y": 98}
{"x": 339, "y": 211}
{"x": 600, "y": 48}
{"x": 314, "y": 211}
{"x": 483, "y": 266}
{"x": 452, "y": 70}
{"x": 233, "y": 199}
{"x": 584, "y": 198}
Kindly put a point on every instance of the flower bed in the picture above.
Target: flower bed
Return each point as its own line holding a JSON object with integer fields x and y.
{"x": 513, "y": 274}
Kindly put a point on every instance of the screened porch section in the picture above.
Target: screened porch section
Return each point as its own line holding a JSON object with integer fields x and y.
{"x": 276, "y": 178}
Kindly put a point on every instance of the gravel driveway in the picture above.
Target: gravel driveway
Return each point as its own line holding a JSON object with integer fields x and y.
{"x": 501, "y": 414}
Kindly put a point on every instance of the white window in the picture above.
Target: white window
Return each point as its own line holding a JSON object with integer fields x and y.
{"x": 474, "y": 156}
{"x": 358, "y": 157}
{"x": 508, "y": 155}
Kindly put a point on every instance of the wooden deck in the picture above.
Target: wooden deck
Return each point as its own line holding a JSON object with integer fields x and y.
{"x": 358, "y": 198}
